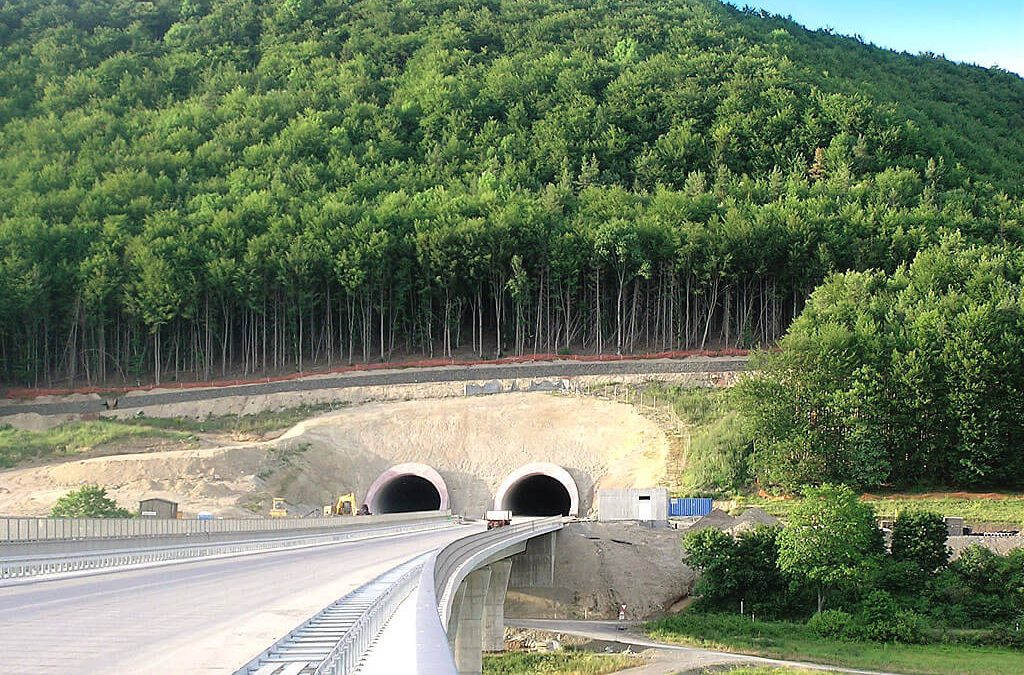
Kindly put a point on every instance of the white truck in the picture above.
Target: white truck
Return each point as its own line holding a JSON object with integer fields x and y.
{"x": 498, "y": 519}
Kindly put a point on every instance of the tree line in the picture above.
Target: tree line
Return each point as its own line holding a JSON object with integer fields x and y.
{"x": 830, "y": 563}
{"x": 194, "y": 189}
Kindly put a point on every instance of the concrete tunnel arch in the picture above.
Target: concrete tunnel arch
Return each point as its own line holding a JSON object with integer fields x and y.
{"x": 408, "y": 487}
{"x": 539, "y": 489}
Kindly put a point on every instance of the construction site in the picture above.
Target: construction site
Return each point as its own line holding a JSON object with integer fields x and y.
{"x": 533, "y": 447}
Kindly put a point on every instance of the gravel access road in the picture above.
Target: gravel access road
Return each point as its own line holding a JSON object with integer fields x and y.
{"x": 550, "y": 369}
{"x": 669, "y": 658}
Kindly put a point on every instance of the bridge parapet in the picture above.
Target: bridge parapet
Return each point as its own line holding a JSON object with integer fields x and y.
{"x": 462, "y": 596}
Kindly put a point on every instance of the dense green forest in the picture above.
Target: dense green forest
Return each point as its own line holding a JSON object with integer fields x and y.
{"x": 899, "y": 380}
{"x": 190, "y": 188}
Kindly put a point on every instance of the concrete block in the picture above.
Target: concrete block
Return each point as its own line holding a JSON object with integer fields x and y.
{"x": 547, "y": 385}
{"x": 483, "y": 388}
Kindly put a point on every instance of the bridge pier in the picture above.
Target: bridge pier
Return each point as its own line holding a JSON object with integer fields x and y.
{"x": 494, "y": 607}
{"x": 535, "y": 567}
{"x": 476, "y": 622}
{"x": 469, "y": 622}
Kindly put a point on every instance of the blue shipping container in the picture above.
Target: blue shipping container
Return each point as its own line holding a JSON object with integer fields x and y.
{"x": 689, "y": 506}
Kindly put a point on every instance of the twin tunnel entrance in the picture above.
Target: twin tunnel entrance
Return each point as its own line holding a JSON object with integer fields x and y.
{"x": 538, "y": 489}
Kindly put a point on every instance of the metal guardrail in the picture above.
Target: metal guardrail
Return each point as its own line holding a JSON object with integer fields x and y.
{"x": 67, "y": 547}
{"x": 16, "y": 529}
{"x": 346, "y": 655}
{"x": 335, "y": 639}
{"x": 35, "y": 566}
{"x": 455, "y": 561}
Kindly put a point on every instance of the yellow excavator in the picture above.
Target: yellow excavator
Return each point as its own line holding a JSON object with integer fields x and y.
{"x": 279, "y": 508}
{"x": 345, "y": 506}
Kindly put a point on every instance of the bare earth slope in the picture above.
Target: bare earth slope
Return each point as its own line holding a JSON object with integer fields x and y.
{"x": 473, "y": 442}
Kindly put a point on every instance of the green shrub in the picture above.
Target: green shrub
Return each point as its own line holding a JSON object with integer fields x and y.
{"x": 919, "y": 537}
{"x": 89, "y": 501}
{"x": 832, "y": 623}
{"x": 882, "y": 620}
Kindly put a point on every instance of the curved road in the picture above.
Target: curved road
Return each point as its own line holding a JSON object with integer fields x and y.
{"x": 397, "y": 376}
{"x": 208, "y": 616}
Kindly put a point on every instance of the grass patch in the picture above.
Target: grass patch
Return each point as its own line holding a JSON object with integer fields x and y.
{"x": 235, "y": 425}
{"x": 17, "y": 445}
{"x": 698, "y": 406}
{"x": 565, "y": 662}
{"x": 983, "y": 508}
{"x": 716, "y": 459}
{"x": 788, "y": 640}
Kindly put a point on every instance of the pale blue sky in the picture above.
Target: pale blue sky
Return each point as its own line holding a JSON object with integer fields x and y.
{"x": 985, "y": 32}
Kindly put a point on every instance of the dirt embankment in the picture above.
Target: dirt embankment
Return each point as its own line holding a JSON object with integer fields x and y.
{"x": 600, "y": 566}
{"x": 474, "y": 442}
{"x": 213, "y": 479}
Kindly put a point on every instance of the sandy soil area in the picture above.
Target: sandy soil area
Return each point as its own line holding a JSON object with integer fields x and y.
{"x": 214, "y": 479}
{"x": 474, "y": 442}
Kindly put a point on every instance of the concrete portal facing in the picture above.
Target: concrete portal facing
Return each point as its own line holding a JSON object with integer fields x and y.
{"x": 539, "y": 489}
{"x": 641, "y": 504}
{"x": 408, "y": 487}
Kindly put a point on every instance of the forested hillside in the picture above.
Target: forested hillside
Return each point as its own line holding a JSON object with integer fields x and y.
{"x": 195, "y": 187}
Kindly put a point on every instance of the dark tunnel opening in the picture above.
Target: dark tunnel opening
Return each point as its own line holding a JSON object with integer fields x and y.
{"x": 406, "y": 493}
{"x": 538, "y": 495}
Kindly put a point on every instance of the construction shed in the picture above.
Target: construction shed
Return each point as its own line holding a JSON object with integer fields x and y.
{"x": 643, "y": 504}
{"x": 158, "y": 508}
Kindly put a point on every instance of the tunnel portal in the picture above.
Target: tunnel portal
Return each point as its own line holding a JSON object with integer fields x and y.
{"x": 407, "y": 493}
{"x": 408, "y": 487}
{"x": 538, "y": 496}
{"x": 539, "y": 489}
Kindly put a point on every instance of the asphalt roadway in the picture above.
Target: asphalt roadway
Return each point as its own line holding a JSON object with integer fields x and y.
{"x": 394, "y": 376}
{"x": 198, "y": 617}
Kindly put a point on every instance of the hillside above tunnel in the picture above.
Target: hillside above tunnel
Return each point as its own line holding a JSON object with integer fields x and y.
{"x": 191, "y": 189}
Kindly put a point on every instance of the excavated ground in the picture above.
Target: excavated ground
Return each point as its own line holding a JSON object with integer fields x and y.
{"x": 474, "y": 442}
{"x": 600, "y": 566}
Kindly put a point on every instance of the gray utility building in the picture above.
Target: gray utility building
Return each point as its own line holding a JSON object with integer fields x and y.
{"x": 158, "y": 508}
{"x": 644, "y": 504}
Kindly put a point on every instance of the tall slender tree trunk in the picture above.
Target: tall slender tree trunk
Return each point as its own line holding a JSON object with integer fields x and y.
{"x": 156, "y": 353}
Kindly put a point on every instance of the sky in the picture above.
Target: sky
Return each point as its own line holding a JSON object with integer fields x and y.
{"x": 985, "y": 32}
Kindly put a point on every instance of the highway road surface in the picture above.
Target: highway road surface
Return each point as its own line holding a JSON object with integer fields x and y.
{"x": 199, "y": 617}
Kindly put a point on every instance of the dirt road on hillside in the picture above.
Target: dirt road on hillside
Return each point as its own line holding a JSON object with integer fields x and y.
{"x": 79, "y": 404}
